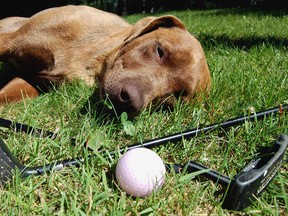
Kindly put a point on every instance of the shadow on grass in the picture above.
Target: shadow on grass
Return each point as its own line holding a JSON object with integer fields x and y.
{"x": 210, "y": 40}
{"x": 257, "y": 11}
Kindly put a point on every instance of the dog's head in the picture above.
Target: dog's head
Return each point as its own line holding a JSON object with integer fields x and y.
{"x": 159, "y": 61}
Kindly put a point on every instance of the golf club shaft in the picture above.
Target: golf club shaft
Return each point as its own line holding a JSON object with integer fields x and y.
{"x": 191, "y": 166}
{"x": 192, "y": 133}
{"x": 55, "y": 166}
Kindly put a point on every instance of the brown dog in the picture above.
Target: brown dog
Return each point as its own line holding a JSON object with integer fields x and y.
{"x": 156, "y": 59}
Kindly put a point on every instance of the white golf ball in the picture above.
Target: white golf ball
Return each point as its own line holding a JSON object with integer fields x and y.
{"x": 140, "y": 171}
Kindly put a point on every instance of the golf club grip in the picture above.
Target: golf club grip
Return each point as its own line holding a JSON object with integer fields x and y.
{"x": 193, "y": 132}
{"x": 19, "y": 127}
{"x": 25, "y": 128}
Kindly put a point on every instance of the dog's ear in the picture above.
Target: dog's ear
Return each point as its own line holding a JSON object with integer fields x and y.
{"x": 150, "y": 24}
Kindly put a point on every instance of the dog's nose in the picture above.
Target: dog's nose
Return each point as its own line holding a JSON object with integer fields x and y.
{"x": 130, "y": 98}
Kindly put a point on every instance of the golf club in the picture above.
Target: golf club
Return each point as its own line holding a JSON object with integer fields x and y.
{"x": 9, "y": 163}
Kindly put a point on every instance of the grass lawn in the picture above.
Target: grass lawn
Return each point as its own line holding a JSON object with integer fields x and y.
{"x": 247, "y": 55}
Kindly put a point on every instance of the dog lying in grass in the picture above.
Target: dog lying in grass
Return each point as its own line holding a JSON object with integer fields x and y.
{"x": 156, "y": 59}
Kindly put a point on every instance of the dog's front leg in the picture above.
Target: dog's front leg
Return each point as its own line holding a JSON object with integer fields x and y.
{"x": 16, "y": 90}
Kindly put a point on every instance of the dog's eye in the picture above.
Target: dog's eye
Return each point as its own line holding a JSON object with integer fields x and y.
{"x": 160, "y": 52}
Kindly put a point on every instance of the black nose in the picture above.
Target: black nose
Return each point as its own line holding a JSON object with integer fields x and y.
{"x": 130, "y": 98}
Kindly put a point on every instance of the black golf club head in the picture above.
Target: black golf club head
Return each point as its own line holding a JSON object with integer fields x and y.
{"x": 251, "y": 181}
{"x": 9, "y": 164}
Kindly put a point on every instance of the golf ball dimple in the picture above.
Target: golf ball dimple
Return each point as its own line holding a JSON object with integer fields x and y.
{"x": 140, "y": 171}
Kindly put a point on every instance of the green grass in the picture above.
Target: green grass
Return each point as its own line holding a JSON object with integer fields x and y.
{"x": 247, "y": 55}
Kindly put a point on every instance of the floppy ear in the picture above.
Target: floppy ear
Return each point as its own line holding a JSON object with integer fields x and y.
{"x": 150, "y": 24}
